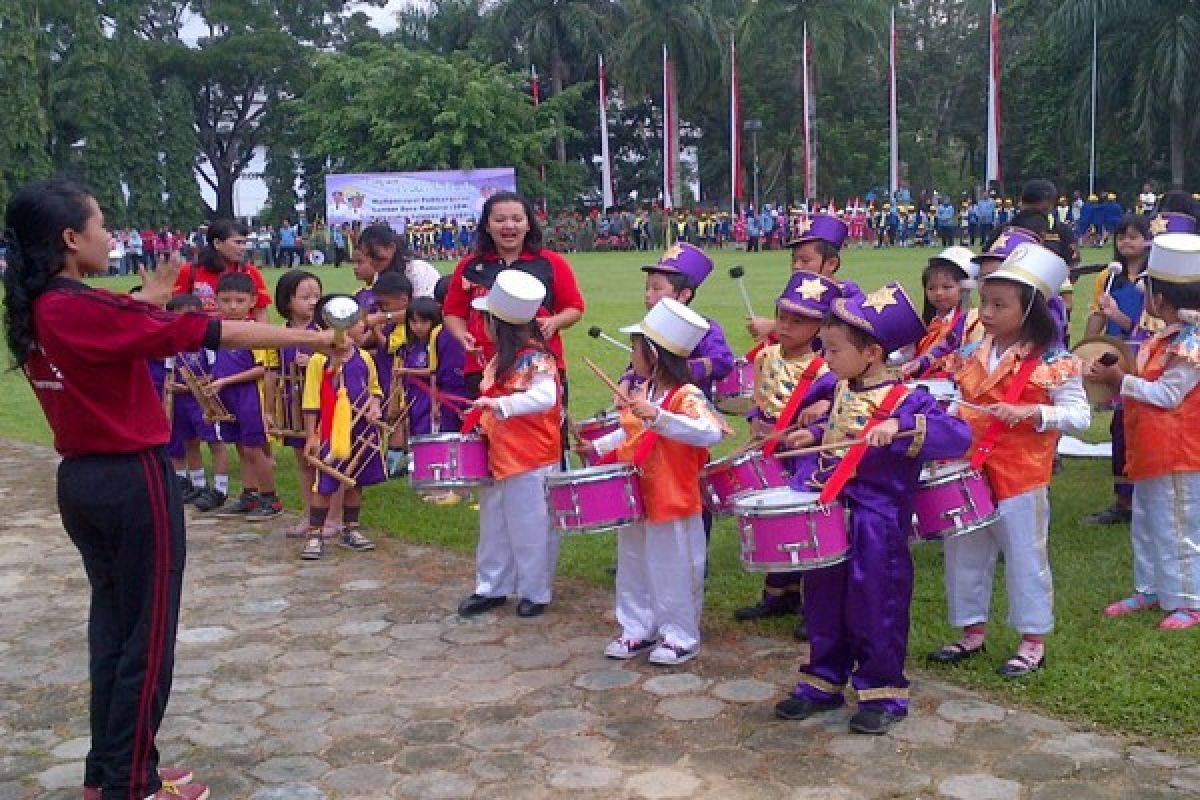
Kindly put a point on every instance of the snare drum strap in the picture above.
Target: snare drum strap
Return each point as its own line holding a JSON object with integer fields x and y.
{"x": 789, "y": 412}
{"x": 849, "y": 464}
{"x": 996, "y": 428}
{"x": 472, "y": 418}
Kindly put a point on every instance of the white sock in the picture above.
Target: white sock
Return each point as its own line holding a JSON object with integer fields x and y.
{"x": 181, "y": 472}
{"x": 197, "y": 476}
{"x": 221, "y": 483}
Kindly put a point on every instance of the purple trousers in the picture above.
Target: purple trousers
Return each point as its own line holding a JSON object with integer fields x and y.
{"x": 858, "y": 615}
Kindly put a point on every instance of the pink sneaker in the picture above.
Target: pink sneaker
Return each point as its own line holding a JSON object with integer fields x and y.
{"x": 174, "y": 777}
{"x": 178, "y": 791}
{"x": 1136, "y": 602}
{"x": 1180, "y": 619}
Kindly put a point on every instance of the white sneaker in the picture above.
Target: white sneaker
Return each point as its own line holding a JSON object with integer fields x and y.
{"x": 669, "y": 655}
{"x": 625, "y": 649}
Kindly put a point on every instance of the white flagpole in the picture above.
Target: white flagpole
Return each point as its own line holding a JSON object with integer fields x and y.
{"x": 1092, "y": 152}
{"x": 993, "y": 101}
{"x": 606, "y": 166}
{"x": 894, "y": 134}
{"x": 667, "y": 101}
{"x": 735, "y": 129}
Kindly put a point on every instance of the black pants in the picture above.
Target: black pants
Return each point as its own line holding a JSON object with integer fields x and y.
{"x": 125, "y": 514}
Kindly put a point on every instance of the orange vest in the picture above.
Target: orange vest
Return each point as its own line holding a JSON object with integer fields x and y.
{"x": 939, "y": 328}
{"x": 528, "y": 441}
{"x": 671, "y": 473}
{"x": 1161, "y": 441}
{"x": 1023, "y": 458}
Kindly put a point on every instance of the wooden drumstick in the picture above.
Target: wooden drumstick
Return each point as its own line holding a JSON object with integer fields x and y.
{"x": 617, "y": 391}
{"x": 738, "y": 274}
{"x": 821, "y": 448}
{"x": 754, "y": 443}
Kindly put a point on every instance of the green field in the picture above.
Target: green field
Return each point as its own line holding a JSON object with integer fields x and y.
{"x": 1119, "y": 674}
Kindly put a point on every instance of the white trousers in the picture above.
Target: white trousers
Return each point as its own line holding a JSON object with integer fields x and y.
{"x": 1166, "y": 539}
{"x": 518, "y": 550}
{"x": 1021, "y": 534}
{"x": 660, "y": 580}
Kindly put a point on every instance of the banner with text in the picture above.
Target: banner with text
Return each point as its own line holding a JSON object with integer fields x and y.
{"x": 399, "y": 198}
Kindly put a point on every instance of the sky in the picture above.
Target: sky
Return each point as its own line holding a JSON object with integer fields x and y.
{"x": 382, "y": 18}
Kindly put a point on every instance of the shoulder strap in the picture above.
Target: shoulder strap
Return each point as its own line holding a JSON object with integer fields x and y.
{"x": 849, "y": 464}
{"x": 793, "y": 404}
{"x": 996, "y": 428}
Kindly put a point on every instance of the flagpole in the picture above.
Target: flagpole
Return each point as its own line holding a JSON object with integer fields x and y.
{"x": 1092, "y": 151}
{"x": 993, "y": 174}
{"x": 809, "y": 189}
{"x": 894, "y": 132}
{"x": 606, "y": 192}
{"x": 735, "y": 132}
{"x": 536, "y": 90}
{"x": 668, "y": 202}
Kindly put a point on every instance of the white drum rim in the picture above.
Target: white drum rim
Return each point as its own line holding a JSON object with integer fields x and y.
{"x": 599, "y": 527}
{"x": 447, "y": 437}
{"x": 597, "y": 473}
{"x": 808, "y": 566}
{"x": 735, "y": 460}
{"x": 948, "y": 472}
{"x": 456, "y": 483}
{"x": 950, "y": 533}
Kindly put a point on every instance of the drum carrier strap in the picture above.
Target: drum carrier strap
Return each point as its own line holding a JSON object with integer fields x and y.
{"x": 793, "y": 404}
{"x": 849, "y": 464}
{"x": 996, "y": 428}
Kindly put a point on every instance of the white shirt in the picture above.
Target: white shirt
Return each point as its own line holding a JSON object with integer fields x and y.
{"x": 423, "y": 276}
{"x": 1168, "y": 392}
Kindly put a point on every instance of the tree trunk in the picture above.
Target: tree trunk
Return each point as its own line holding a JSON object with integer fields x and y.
{"x": 1178, "y": 147}
{"x": 225, "y": 180}
{"x": 557, "y": 79}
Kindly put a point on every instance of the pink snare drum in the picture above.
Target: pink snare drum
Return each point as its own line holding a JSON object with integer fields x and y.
{"x": 594, "y": 499}
{"x": 594, "y": 428}
{"x": 783, "y": 530}
{"x": 723, "y": 481}
{"x": 735, "y": 392}
{"x": 953, "y": 499}
{"x": 448, "y": 461}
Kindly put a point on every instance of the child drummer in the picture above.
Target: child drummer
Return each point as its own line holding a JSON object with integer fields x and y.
{"x": 792, "y": 385}
{"x": 858, "y": 611}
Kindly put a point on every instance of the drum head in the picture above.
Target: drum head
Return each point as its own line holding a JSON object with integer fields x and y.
{"x": 1091, "y": 350}
{"x": 781, "y": 497}
{"x": 588, "y": 474}
{"x": 936, "y": 470}
{"x": 941, "y": 387}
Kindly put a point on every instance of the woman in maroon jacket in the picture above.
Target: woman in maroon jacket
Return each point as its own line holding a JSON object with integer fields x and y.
{"x": 85, "y": 353}
{"x": 509, "y": 237}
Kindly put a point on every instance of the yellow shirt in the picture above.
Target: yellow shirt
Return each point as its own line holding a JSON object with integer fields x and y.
{"x": 315, "y": 372}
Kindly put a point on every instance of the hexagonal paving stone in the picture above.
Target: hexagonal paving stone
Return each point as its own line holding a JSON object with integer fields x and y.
{"x": 687, "y": 708}
{"x": 745, "y": 690}
{"x": 584, "y": 776}
{"x": 979, "y": 787}
{"x": 663, "y": 783}
{"x": 604, "y": 680}
{"x": 677, "y": 683}
{"x": 437, "y": 785}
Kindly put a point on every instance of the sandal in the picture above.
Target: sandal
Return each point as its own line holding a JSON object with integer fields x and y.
{"x": 297, "y": 531}
{"x": 1021, "y": 665}
{"x": 332, "y": 530}
{"x": 1138, "y": 601}
{"x": 313, "y": 549}
{"x": 954, "y": 653}
{"x": 1180, "y": 619}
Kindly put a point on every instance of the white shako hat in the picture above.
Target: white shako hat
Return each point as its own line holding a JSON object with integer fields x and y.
{"x": 672, "y": 326}
{"x": 959, "y": 257}
{"x": 1175, "y": 258}
{"x": 1034, "y": 265}
{"x": 515, "y": 297}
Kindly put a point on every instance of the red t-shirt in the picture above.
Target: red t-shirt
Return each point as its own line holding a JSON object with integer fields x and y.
{"x": 89, "y": 367}
{"x": 205, "y": 284}
{"x": 473, "y": 277}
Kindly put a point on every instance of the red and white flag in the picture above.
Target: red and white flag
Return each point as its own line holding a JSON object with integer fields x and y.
{"x": 894, "y": 130}
{"x": 810, "y": 161}
{"x": 606, "y": 163}
{"x": 735, "y": 131}
{"x": 668, "y": 133}
{"x": 993, "y": 99}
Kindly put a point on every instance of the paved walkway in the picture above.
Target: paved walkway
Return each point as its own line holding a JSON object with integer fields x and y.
{"x": 354, "y": 678}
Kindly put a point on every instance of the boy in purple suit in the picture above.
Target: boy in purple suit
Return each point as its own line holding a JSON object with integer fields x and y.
{"x": 858, "y": 610}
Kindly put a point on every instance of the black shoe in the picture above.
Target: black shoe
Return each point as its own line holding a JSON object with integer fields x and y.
{"x": 1019, "y": 666}
{"x": 760, "y": 611}
{"x": 803, "y": 708}
{"x": 528, "y": 608}
{"x": 1113, "y": 515}
{"x": 800, "y": 632}
{"x": 189, "y": 492}
{"x": 185, "y": 486}
{"x": 208, "y": 499}
{"x": 246, "y": 502}
{"x": 873, "y": 720}
{"x": 954, "y": 653}
{"x": 478, "y": 603}
{"x": 265, "y": 508}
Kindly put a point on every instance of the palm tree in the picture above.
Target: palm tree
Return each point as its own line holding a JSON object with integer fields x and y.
{"x": 561, "y": 32}
{"x": 693, "y": 37}
{"x": 1150, "y": 59}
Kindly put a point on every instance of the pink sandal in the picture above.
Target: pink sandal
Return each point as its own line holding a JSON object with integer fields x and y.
{"x": 1138, "y": 601}
{"x": 1180, "y": 619}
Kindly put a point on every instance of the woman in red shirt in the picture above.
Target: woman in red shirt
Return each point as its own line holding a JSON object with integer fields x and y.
{"x": 85, "y": 352}
{"x": 509, "y": 237}
{"x": 224, "y": 253}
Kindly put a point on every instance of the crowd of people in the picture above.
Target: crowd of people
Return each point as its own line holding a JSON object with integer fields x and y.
{"x": 860, "y": 396}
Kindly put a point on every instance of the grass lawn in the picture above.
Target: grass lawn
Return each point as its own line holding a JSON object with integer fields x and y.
{"x": 1120, "y": 674}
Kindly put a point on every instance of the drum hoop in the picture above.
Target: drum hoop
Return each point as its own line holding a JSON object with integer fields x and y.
{"x": 556, "y": 479}
{"x": 755, "y": 512}
{"x": 735, "y": 460}
{"x": 951, "y": 532}
{"x": 447, "y": 437}
{"x": 950, "y": 477}
{"x": 456, "y": 483}
{"x": 807, "y": 566}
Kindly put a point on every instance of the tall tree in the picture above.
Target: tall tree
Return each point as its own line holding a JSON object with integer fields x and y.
{"x": 280, "y": 177}
{"x": 25, "y": 134}
{"x": 139, "y": 112}
{"x": 178, "y": 145}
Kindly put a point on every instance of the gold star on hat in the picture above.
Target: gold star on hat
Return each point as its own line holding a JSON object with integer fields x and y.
{"x": 1158, "y": 225}
{"x": 674, "y": 251}
{"x": 1001, "y": 240}
{"x": 881, "y": 298}
{"x": 812, "y": 289}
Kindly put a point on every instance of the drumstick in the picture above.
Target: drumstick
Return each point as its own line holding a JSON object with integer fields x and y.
{"x": 737, "y": 273}
{"x": 956, "y": 401}
{"x": 1114, "y": 269}
{"x": 598, "y": 333}
{"x": 617, "y": 391}
{"x": 770, "y": 437}
{"x": 821, "y": 448}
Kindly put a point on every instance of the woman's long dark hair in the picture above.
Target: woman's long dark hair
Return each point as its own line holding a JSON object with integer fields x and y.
{"x": 218, "y": 230}
{"x": 668, "y": 367}
{"x": 34, "y": 222}
{"x": 377, "y": 236}
{"x": 511, "y": 340}
{"x": 484, "y": 243}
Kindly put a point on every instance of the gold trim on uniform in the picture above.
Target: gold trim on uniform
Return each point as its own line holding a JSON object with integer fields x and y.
{"x": 882, "y": 693}
{"x": 821, "y": 685}
{"x": 918, "y": 440}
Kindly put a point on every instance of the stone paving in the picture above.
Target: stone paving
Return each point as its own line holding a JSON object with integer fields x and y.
{"x": 354, "y": 678}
